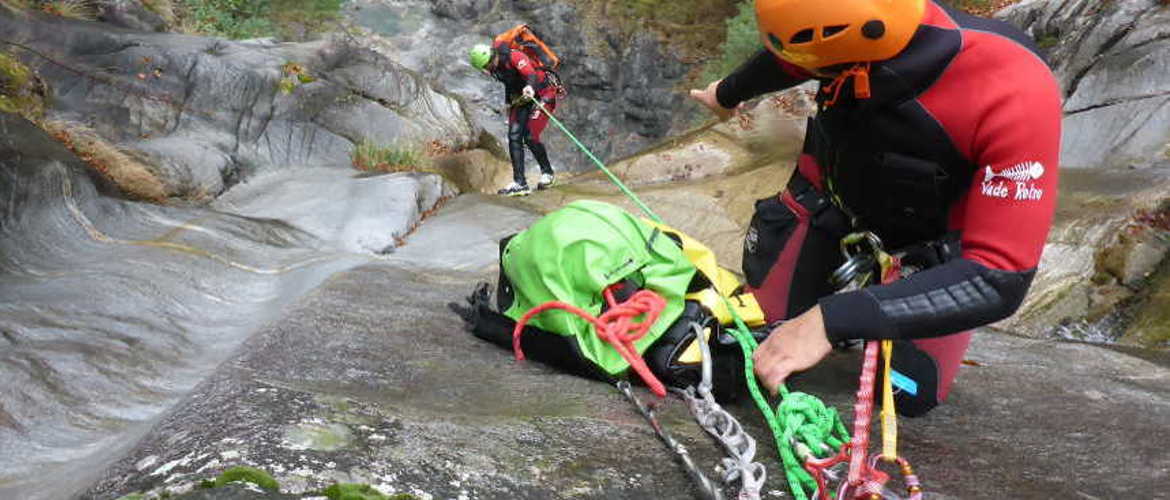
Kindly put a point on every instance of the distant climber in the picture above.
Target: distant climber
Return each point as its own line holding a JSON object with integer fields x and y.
{"x": 936, "y": 130}
{"x": 516, "y": 59}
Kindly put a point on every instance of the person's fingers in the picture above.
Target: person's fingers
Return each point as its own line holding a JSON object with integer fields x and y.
{"x": 773, "y": 374}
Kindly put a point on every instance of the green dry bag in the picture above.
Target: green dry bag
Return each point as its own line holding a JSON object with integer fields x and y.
{"x": 571, "y": 255}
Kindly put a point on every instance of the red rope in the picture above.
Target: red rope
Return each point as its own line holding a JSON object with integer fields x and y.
{"x": 865, "y": 480}
{"x": 615, "y": 326}
{"x": 859, "y": 471}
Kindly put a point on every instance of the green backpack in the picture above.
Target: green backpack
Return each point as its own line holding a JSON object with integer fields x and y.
{"x": 573, "y": 254}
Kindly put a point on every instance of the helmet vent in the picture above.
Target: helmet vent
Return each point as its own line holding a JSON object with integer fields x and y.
{"x": 775, "y": 41}
{"x": 873, "y": 29}
{"x": 833, "y": 30}
{"x": 803, "y": 36}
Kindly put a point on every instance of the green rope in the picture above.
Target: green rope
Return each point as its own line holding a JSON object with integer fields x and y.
{"x": 800, "y": 418}
{"x": 600, "y": 165}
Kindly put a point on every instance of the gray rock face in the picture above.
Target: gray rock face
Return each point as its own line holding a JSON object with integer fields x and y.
{"x": 369, "y": 379}
{"x": 1113, "y": 59}
{"x": 621, "y": 91}
{"x": 212, "y": 112}
{"x": 110, "y": 311}
{"x": 130, "y": 14}
{"x": 357, "y": 213}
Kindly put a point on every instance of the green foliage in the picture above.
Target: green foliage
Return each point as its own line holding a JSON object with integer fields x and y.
{"x": 1047, "y": 41}
{"x": 386, "y": 158}
{"x": 238, "y": 19}
{"x": 294, "y": 74}
{"x": 349, "y": 491}
{"x": 245, "y": 474}
{"x": 164, "y": 8}
{"x": 18, "y": 92}
{"x": 286, "y": 85}
{"x": 674, "y": 11}
{"x": 742, "y": 41}
{"x": 228, "y": 18}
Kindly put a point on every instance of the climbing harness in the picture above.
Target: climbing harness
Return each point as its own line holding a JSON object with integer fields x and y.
{"x": 811, "y": 438}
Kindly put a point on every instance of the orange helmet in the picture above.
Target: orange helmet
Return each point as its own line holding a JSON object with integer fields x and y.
{"x": 814, "y": 33}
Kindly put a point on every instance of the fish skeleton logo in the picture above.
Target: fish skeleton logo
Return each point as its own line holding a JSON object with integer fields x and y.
{"x": 1021, "y": 176}
{"x": 1023, "y": 172}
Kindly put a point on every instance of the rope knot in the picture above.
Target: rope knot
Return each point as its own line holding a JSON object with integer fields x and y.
{"x": 615, "y": 326}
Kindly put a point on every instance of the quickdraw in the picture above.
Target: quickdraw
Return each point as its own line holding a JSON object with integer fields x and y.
{"x": 740, "y": 464}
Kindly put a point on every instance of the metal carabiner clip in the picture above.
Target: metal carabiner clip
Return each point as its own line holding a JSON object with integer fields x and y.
{"x": 860, "y": 251}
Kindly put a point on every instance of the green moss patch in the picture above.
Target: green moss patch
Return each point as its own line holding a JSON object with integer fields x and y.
{"x": 349, "y": 491}
{"x": 243, "y": 474}
{"x": 19, "y": 89}
{"x": 236, "y": 19}
{"x": 374, "y": 157}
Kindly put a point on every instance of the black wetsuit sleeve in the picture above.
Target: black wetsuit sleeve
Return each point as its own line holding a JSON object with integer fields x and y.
{"x": 957, "y": 296}
{"x": 759, "y": 75}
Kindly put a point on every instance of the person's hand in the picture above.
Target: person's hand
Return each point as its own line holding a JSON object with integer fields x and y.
{"x": 707, "y": 98}
{"x": 528, "y": 92}
{"x": 794, "y": 346}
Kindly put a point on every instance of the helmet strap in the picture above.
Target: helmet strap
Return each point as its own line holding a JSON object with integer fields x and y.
{"x": 860, "y": 74}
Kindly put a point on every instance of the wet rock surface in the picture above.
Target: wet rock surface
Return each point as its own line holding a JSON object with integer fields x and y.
{"x": 1099, "y": 252}
{"x": 329, "y": 300}
{"x": 313, "y": 200}
{"x": 397, "y": 394}
{"x": 622, "y": 94}
{"x": 208, "y": 112}
{"x": 110, "y": 311}
{"x": 1112, "y": 59}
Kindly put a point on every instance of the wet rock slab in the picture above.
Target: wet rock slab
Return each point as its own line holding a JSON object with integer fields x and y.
{"x": 371, "y": 378}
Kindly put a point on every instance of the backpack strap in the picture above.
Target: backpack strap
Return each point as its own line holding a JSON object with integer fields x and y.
{"x": 548, "y": 348}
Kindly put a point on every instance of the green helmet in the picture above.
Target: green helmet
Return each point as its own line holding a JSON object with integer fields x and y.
{"x": 479, "y": 56}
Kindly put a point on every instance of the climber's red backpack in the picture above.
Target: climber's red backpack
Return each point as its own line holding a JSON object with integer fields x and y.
{"x": 522, "y": 38}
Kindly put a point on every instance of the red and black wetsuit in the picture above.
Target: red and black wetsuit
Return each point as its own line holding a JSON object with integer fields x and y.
{"x": 954, "y": 158}
{"x": 525, "y": 121}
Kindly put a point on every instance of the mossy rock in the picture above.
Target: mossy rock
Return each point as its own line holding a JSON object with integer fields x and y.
{"x": 350, "y": 491}
{"x": 1151, "y": 321}
{"x": 19, "y": 89}
{"x": 243, "y": 474}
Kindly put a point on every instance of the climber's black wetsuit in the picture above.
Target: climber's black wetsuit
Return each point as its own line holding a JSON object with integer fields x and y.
{"x": 953, "y": 158}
